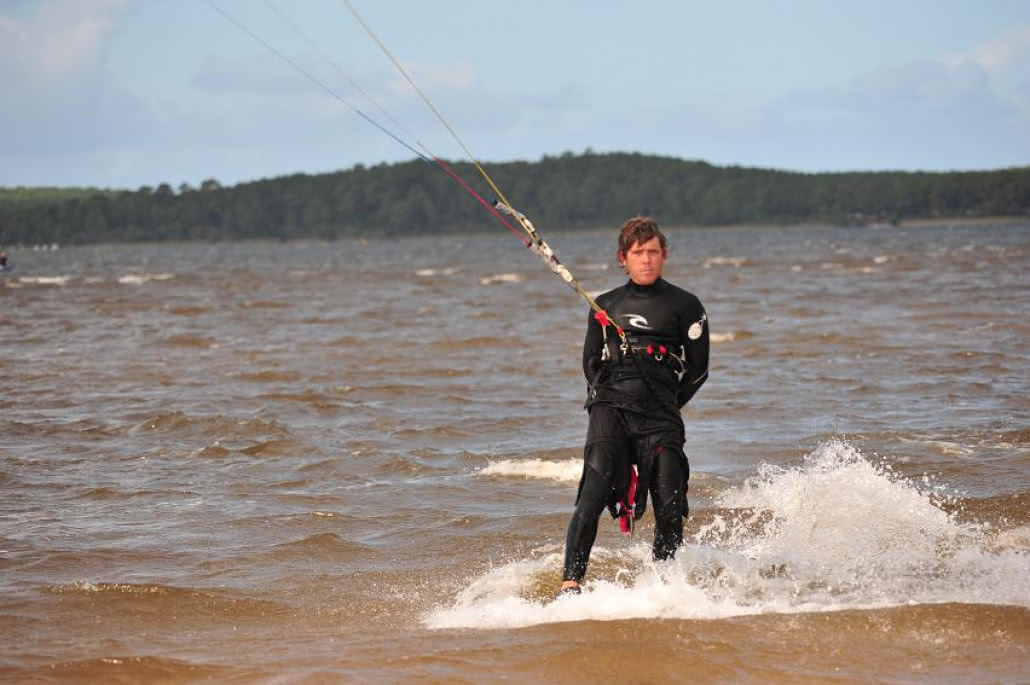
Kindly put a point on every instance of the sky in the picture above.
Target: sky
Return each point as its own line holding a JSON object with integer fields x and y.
{"x": 132, "y": 93}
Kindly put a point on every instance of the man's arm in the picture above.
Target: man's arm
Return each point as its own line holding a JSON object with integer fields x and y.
{"x": 694, "y": 334}
{"x": 593, "y": 343}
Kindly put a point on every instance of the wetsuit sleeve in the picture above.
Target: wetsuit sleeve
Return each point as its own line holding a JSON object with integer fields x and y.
{"x": 694, "y": 334}
{"x": 592, "y": 346}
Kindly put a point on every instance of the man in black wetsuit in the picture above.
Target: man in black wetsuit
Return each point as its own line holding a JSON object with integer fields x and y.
{"x": 636, "y": 391}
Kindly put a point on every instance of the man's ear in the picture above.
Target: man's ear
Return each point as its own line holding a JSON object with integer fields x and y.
{"x": 620, "y": 257}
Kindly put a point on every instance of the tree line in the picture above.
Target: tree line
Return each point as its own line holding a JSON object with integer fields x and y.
{"x": 562, "y": 192}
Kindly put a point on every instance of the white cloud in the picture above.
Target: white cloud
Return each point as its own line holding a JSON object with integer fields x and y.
{"x": 1006, "y": 59}
{"x": 1010, "y": 48}
{"x": 923, "y": 84}
{"x": 54, "y": 72}
{"x": 58, "y": 41}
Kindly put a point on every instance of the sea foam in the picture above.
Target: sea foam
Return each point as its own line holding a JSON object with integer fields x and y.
{"x": 567, "y": 470}
{"x": 836, "y": 531}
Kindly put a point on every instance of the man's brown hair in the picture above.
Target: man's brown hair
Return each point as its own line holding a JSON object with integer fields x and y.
{"x": 639, "y": 229}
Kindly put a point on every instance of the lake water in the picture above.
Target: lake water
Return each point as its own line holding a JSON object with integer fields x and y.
{"x": 355, "y": 462}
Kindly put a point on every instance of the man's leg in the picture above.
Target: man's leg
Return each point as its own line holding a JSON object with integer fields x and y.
{"x": 593, "y": 497}
{"x": 605, "y": 452}
{"x": 669, "y": 493}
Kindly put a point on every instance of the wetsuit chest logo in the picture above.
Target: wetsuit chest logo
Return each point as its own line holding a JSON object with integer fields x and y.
{"x": 638, "y": 321}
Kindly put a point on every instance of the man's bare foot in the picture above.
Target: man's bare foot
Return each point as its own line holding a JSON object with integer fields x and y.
{"x": 570, "y": 587}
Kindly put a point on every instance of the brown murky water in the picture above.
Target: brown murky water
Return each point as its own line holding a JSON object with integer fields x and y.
{"x": 355, "y": 462}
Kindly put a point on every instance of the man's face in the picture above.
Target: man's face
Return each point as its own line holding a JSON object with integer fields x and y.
{"x": 643, "y": 261}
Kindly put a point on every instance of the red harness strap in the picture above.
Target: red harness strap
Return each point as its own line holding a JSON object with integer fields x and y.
{"x": 626, "y": 520}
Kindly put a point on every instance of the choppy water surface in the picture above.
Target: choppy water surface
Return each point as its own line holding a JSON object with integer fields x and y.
{"x": 355, "y": 461}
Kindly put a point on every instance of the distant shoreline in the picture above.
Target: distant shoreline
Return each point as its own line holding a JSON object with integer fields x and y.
{"x": 939, "y": 222}
{"x": 559, "y": 193}
{"x": 1008, "y": 221}
{"x": 970, "y": 221}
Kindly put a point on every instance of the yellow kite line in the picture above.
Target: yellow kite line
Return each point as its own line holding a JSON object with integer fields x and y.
{"x": 537, "y": 243}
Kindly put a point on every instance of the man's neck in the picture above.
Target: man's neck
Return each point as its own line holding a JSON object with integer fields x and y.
{"x": 638, "y": 288}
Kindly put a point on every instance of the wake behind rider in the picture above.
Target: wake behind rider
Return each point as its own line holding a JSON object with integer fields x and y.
{"x": 636, "y": 391}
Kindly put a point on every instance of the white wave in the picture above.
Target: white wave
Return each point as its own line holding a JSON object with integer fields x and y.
{"x": 950, "y": 448}
{"x": 502, "y": 278}
{"x": 735, "y": 262}
{"x": 722, "y": 337}
{"x": 1017, "y": 538}
{"x": 139, "y": 279}
{"x": 45, "y": 280}
{"x": 497, "y": 599}
{"x": 836, "y": 532}
{"x": 448, "y": 271}
{"x": 567, "y": 470}
{"x": 867, "y": 534}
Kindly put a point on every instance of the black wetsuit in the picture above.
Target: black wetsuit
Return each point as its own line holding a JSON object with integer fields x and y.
{"x": 634, "y": 399}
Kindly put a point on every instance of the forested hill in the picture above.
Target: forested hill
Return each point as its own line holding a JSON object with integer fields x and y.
{"x": 569, "y": 191}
